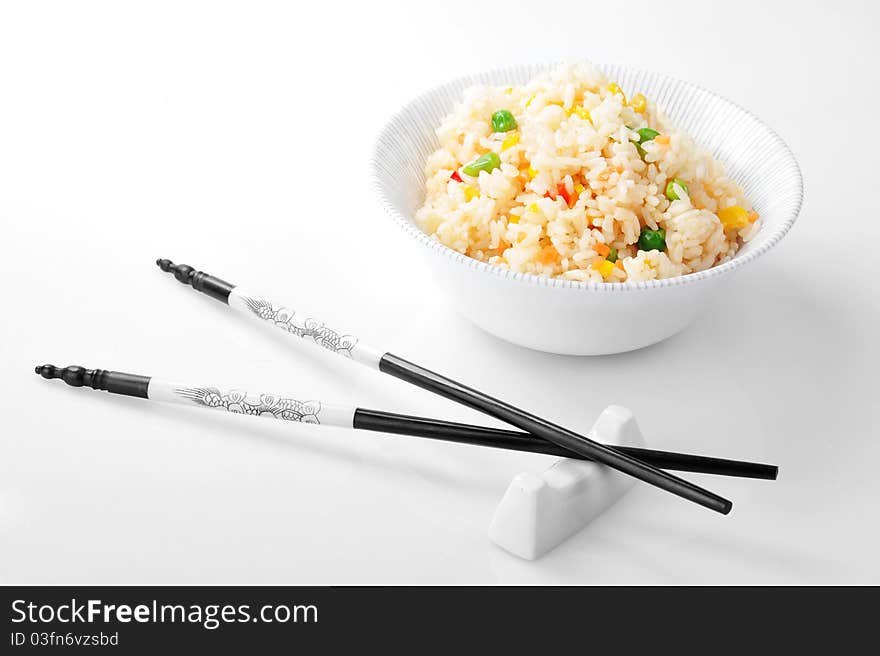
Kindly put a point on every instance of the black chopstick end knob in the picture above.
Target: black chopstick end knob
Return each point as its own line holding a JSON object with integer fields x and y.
{"x": 182, "y": 272}
{"x": 75, "y": 376}
{"x": 198, "y": 280}
{"x": 115, "y": 382}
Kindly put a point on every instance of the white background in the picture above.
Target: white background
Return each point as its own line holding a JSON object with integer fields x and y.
{"x": 236, "y": 138}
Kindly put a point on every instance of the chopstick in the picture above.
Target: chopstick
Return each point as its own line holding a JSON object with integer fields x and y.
{"x": 311, "y": 411}
{"x": 448, "y": 431}
{"x": 306, "y": 326}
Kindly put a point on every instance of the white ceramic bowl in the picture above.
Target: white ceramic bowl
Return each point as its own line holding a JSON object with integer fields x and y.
{"x": 590, "y": 318}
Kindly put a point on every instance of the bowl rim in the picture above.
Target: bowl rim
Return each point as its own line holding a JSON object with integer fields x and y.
{"x": 433, "y": 244}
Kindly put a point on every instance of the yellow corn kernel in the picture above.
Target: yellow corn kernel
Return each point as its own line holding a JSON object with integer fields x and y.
{"x": 508, "y": 90}
{"x": 470, "y": 193}
{"x": 510, "y": 141}
{"x": 513, "y": 218}
{"x": 520, "y": 237}
{"x": 583, "y": 113}
{"x": 614, "y": 88}
{"x": 532, "y": 173}
{"x": 734, "y": 218}
{"x": 603, "y": 266}
{"x": 579, "y": 188}
{"x": 534, "y": 208}
{"x": 639, "y": 103}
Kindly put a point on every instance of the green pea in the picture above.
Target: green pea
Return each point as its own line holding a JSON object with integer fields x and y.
{"x": 503, "y": 121}
{"x": 488, "y": 163}
{"x": 670, "y": 188}
{"x": 612, "y": 256}
{"x": 652, "y": 240}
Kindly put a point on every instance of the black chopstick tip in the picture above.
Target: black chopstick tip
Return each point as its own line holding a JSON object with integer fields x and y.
{"x": 766, "y": 472}
{"x": 726, "y": 507}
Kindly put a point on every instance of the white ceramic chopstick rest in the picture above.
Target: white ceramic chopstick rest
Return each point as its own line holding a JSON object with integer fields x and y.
{"x": 539, "y": 512}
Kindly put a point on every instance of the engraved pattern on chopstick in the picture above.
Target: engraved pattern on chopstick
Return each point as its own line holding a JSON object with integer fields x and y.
{"x": 310, "y": 328}
{"x": 237, "y": 402}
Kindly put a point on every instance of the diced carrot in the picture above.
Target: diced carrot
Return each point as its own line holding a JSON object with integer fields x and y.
{"x": 548, "y": 255}
{"x": 662, "y": 139}
{"x": 619, "y": 264}
{"x": 753, "y": 216}
{"x": 602, "y": 249}
{"x": 503, "y": 245}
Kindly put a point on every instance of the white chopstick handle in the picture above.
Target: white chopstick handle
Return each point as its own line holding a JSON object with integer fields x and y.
{"x": 301, "y": 324}
{"x": 240, "y": 401}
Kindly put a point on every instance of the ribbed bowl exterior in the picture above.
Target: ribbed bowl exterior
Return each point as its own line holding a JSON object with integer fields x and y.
{"x": 570, "y": 317}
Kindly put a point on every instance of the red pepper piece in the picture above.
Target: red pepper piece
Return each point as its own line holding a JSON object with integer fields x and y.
{"x": 455, "y": 176}
{"x": 562, "y": 190}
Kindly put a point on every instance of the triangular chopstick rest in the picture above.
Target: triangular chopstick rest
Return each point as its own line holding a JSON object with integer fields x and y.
{"x": 539, "y": 512}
